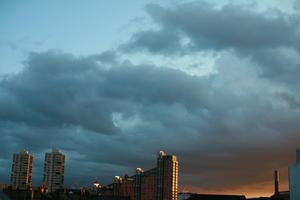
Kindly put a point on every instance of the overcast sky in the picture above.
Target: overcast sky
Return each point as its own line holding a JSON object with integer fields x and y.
{"x": 111, "y": 83}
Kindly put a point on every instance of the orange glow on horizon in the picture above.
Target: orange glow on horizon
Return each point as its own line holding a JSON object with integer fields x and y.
{"x": 264, "y": 189}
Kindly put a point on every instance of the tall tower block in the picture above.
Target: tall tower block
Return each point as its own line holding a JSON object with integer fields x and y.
{"x": 167, "y": 177}
{"x": 54, "y": 169}
{"x": 21, "y": 172}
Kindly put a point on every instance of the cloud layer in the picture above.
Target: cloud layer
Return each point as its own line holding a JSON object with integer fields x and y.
{"x": 230, "y": 128}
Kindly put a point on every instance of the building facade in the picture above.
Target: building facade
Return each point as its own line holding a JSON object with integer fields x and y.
{"x": 148, "y": 188}
{"x": 54, "y": 168}
{"x": 294, "y": 178}
{"x": 21, "y": 173}
{"x": 159, "y": 183}
{"x": 167, "y": 177}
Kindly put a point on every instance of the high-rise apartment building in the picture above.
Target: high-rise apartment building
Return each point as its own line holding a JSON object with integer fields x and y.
{"x": 294, "y": 178}
{"x": 159, "y": 183}
{"x": 167, "y": 177}
{"x": 54, "y": 168}
{"x": 21, "y": 173}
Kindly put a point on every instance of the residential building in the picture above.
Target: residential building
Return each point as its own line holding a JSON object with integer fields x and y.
{"x": 54, "y": 168}
{"x": 21, "y": 173}
{"x": 167, "y": 177}
{"x": 159, "y": 183}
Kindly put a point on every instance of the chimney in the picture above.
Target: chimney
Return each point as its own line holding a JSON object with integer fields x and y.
{"x": 298, "y": 156}
{"x": 276, "y": 183}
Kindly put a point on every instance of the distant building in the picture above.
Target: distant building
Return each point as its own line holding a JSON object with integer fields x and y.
{"x": 167, "y": 177}
{"x": 146, "y": 186}
{"x": 193, "y": 196}
{"x": 21, "y": 173}
{"x": 160, "y": 183}
{"x": 294, "y": 178}
{"x": 54, "y": 168}
{"x": 2, "y": 186}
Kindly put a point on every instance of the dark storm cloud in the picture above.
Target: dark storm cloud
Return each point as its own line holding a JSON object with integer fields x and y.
{"x": 117, "y": 116}
{"x": 41, "y": 94}
{"x": 60, "y": 96}
{"x": 229, "y": 128}
{"x": 58, "y": 89}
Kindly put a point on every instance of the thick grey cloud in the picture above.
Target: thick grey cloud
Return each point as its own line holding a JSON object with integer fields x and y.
{"x": 111, "y": 116}
{"x": 159, "y": 42}
{"x": 269, "y": 37}
{"x": 230, "y": 129}
{"x": 297, "y": 5}
{"x": 57, "y": 94}
{"x": 232, "y": 26}
{"x": 42, "y": 92}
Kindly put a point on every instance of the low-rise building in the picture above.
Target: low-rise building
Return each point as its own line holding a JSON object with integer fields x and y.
{"x": 194, "y": 196}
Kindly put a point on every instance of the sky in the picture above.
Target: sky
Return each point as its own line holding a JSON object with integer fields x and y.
{"x": 110, "y": 83}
